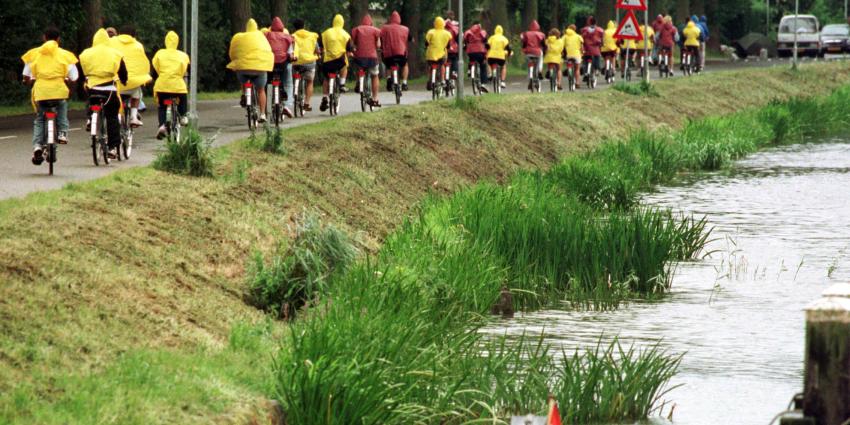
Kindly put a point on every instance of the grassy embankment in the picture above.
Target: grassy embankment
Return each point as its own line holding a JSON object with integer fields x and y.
{"x": 142, "y": 276}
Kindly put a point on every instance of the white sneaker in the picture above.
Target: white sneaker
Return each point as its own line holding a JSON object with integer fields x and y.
{"x": 184, "y": 121}
{"x": 135, "y": 122}
{"x": 161, "y": 133}
{"x": 262, "y": 118}
{"x": 504, "y": 85}
{"x": 62, "y": 138}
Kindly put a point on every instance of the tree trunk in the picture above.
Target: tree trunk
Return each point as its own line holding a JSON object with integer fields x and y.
{"x": 605, "y": 12}
{"x": 240, "y": 12}
{"x": 711, "y": 9}
{"x": 683, "y": 11}
{"x": 529, "y": 13}
{"x": 278, "y": 8}
{"x": 410, "y": 16}
{"x": 356, "y": 10}
{"x": 499, "y": 15}
{"x": 698, "y": 7}
{"x": 91, "y": 23}
{"x": 555, "y": 14}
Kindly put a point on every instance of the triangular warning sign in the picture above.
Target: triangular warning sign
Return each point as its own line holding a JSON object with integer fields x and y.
{"x": 629, "y": 29}
{"x": 631, "y": 4}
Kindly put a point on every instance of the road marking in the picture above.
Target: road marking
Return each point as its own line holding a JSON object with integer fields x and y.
{"x": 74, "y": 129}
{"x": 7, "y": 137}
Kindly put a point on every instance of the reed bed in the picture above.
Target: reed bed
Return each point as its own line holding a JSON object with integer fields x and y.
{"x": 395, "y": 339}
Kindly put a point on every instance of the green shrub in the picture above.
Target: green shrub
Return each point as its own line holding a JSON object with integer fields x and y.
{"x": 273, "y": 142}
{"x": 642, "y": 88}
{"x": 191, "y": 155}
{"x": 296, "y": 275}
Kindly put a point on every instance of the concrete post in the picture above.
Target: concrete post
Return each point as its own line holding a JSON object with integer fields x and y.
{"x": 827, "y": 366}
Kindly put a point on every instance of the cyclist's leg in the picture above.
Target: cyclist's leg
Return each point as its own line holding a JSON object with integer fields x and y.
{"x": 453, "y": 64}
{"x": 308, "y": 74}
{"x": 504, "y": 65}
{"x": 135, "y": 98}
{"x": 161, "y": 109}
{"x": 38, "y": 127}
{"x": 260, "y": 82}
{"x": 375, "y": 72}
{"x": 286, "y": 77}
{"x": 111, "y": 109}
{"x": 597, "y": 63}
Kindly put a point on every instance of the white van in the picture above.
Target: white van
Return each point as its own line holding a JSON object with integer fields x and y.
{"x": 808, "y": 35}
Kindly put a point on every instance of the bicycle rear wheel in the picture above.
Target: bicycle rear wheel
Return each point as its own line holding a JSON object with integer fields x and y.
{"x": 51, "y": 157}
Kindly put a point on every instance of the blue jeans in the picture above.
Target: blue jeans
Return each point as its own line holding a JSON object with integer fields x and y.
{"x": 284, "y": 72}
{"x": 62, "y": 123}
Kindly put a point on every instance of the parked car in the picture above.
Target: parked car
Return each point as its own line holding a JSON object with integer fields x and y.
{"x": 834, "y": 39}
{"x": 808, "y": 35}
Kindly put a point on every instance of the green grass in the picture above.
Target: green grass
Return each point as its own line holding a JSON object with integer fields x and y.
{"x": 26, "y": 108}
{"x": 165, "y": 255}
{"x": 190, "y": 155}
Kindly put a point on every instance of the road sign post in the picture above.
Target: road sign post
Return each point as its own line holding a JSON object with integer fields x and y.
{"x": 193, "y": 77}
{"x": 461, "y": 70}
{"x": 629, "y": 28}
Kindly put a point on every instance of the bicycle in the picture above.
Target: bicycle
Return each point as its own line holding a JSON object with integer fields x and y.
{"x": 298, "y": 94}
{"x": 251, "y": 112}
{"x": 552, "y": 73}
{"x": 127, "y": 130}
{"x": 334, "y": 87}
{"x": 589, "y": 76}
{"x": 664, "y": 63}
{"x": 277, "y": 108}
{"x": 609, "y": 70}
{"x": 686, "y": 62}
{"x": 365, "y": 84}
{"x": 449, "y": 82}
{"x": 98, "y": 129}
{"x": 533, "y": 76}
{"x": 643, "y": 65}
{"x": 627, "y": 70}
{"x": 436, "y": 86}
{"x": 396, "y": 87}
{"x": 475, "y": 76}
{"x": 49, "y": 136}
{"x": 496, "y": 77}
{"x": 570, "y": 73}
{"x": 172, "y": 118}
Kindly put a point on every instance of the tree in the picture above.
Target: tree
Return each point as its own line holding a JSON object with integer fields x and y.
{"x": 356, "y": 10}
{"x": 92, "y": 21}
{"x": 240, "y": 12}
{"x": 698, "y": 7}
{"x": 605, "y": 11}
{"x": 499, "y": 15}
{"x": 529, "y": 13}
{"x": 411, "y": 16}
{"x": 683, "y": 10}
{"x": 279, "y": 8}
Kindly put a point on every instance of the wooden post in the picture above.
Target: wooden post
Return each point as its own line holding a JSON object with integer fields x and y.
{"x": 827, "y": 365}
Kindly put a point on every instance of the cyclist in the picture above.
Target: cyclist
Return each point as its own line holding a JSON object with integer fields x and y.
{"x": 138, "y": 68}
{"x": 648, "y": 38}
{"x": 498, "y": 51}
{"x": 609, "y": 44}
{"x": 335, "y": 43}
{"x": 703, "y": 26}
{"x": 475, "y": 43}
{"x": 171, "y": 66}
{"x": 252, "y": 58}
{"x": 102, "y": 66}
{"x": 691, "y": 35}
{"x": 437, "y": 41}
{"x": 394, "y": 41}
{"x": 367, "y": 40}
{"x": 667, "y": 38}
{"x": 453, "y": 27}
{"x": 656, "y": 25}
{"x": 307, "y": 45}
{"x": 284, "y": 49}
{"x": 49, "y": 67}
{"x": 573, "y": 48}
{"x": 533, "y": 45}
{"x": 593, "y": 37}
{"x": 627, "y": 54}
{"x": 554, "y": 54}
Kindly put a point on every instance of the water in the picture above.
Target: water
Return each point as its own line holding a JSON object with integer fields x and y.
{"x": 782, "y": 226}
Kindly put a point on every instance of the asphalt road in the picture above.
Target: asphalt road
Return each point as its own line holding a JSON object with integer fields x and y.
{"x": 223, "y": 119}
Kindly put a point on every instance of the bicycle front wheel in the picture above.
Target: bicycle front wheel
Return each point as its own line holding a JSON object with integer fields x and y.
{"x": 104, "y": 150}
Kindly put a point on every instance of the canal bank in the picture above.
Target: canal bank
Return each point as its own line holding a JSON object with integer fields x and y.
{"x": 65, "y": 326}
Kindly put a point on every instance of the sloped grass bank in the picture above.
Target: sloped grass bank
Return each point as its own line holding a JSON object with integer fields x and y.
{"x": 147, "y": 261}
{"x": 396, "y": 339}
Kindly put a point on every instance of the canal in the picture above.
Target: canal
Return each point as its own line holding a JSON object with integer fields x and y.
{"x": 781, "y": 235}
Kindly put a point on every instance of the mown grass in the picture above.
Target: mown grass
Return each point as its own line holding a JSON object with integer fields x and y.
{"x": 151, "y": 261}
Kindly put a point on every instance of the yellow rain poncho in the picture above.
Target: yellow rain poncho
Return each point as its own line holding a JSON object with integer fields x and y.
{"x": 100, "y": 62}
{"x": 170, "y": 65}
{"x": 691, "y": 33}
{"x": 305, "y": 44}
{"x": 554, "y": 49}
{"x": 135, "y": 59}
{"x": 648, "y": 35}
{"x": 609, "y": 43}
{"x": 498, "y": 44}
{"x": 334, "y": 40}
{"x": 250, "y": 50}
{"x": 438, "y": 39}
{"x": 49, "y": 68}
{"x": 573, "y": 44}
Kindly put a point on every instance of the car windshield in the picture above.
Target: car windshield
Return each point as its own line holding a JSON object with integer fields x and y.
{"x": 804, "y": 25}
{"x": 836, "y": 30}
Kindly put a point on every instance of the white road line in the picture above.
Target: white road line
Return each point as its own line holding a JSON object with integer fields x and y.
{"x": 8, "y": 137}
{"x": 74, "y": 129}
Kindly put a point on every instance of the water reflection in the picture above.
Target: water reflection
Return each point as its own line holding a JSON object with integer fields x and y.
{"x": 782, "y": 235}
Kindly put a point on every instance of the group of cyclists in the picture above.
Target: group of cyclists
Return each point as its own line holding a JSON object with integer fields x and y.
{"x": 116, "y": 67}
